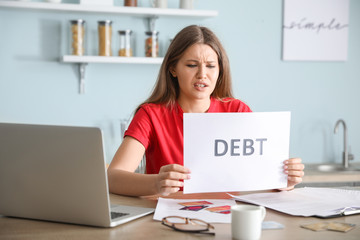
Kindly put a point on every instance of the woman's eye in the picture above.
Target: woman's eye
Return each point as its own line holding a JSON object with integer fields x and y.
{"x": 211, "y": 66}
{"x": 192, "y": 65}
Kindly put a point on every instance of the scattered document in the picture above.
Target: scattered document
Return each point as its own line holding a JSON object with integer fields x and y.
{"x": 236, "y": 151}
{"x": 209, "y": 210}
{"x": 319, "y": 202}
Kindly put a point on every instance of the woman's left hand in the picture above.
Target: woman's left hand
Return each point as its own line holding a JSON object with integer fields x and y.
{"x": 294, "y": 169}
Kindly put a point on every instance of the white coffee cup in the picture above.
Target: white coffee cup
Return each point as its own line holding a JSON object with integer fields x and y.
{"x": 187, "y": 4}
{"x": 159, "y": 3}
{"x": 246, "y": 221}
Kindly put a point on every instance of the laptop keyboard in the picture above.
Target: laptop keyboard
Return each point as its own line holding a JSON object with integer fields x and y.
{"x": 117, "y": 214}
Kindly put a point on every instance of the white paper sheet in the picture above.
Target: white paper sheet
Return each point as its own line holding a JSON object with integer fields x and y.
{"x": 235, "y": 151}
{"x": 306, "y": 201}
{"x": 172, "y": 207}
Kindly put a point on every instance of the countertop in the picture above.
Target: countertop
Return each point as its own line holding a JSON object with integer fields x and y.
{"x": 341, "y": 177}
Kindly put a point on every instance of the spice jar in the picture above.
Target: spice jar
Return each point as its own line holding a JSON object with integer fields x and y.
{"x": 125, "y": 43}
{"x": 130, "y": 3}
{"x": 105, "y": 33}
{"x": 152, "y": 44}
{"x": 77, "y": 37}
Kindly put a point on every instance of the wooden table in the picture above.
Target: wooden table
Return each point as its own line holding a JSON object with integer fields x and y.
{"x": 147, "y": 228}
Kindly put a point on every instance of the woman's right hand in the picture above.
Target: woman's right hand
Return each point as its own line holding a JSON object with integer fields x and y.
{"x": 169, "y": 178}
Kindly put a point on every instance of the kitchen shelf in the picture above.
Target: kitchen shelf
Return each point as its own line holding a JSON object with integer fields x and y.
{"x": 132, "y": 11}
{"x": 101, "y": 59}
{"x": 82, "y": 61}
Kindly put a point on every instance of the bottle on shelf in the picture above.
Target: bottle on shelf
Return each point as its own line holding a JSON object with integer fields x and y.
{"x": 125, "y": 43}
{"x": 130, "y": 3}
{"x": 77, "y": 37}
{"x": 105, "y": 34}
{"x": 152, "y": 44}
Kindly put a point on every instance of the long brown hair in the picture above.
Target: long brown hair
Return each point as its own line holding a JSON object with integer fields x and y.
{"x": 166, "y": 89}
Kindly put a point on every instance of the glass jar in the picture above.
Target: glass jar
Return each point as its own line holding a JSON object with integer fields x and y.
{"x": 130, "y": 3}
{"x": 105, "y": 34}
{"x": 77, "y": 37}
{"x": 125, "y": 43}
{"x": 152, "y": 44}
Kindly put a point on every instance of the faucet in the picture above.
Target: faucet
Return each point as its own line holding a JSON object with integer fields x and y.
{"x": 346, "y": 155}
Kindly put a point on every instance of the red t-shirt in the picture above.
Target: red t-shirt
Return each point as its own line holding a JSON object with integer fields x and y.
{"x": 160, "y": 130}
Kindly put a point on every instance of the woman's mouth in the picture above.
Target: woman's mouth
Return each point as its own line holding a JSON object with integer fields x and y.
{"x": 201, "y": 85}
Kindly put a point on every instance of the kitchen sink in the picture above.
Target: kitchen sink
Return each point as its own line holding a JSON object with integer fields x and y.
{"x": 330, "y": 168}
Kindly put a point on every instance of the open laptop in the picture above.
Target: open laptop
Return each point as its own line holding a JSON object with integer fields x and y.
{"x": 57, "y": 173}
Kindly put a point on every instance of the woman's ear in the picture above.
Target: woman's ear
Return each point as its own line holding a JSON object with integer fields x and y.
{"x": 173, "y": 73}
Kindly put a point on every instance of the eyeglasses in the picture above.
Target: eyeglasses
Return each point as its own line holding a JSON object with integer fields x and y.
{"x": 190, "y": 225}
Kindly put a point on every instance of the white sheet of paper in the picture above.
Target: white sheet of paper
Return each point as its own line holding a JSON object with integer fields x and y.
{"x": 171, "y": 207}
{"x": 306, "y": 201}
{"x": 236, "y": 168}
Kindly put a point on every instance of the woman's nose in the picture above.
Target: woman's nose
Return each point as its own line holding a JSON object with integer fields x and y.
{"x": 202, "y": 72}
